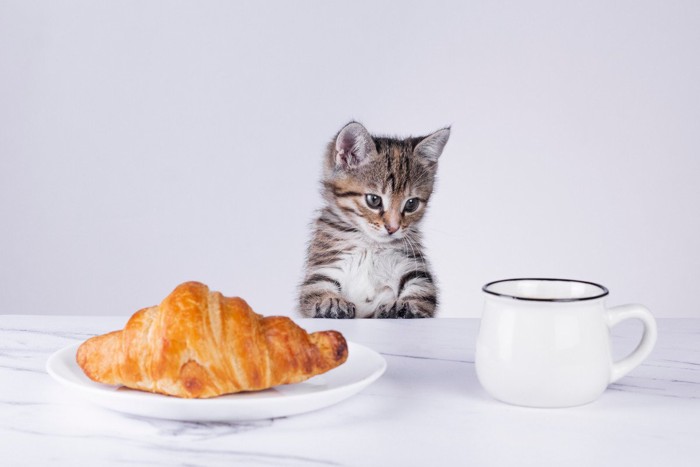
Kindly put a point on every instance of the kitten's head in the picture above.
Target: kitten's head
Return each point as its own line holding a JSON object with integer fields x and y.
{"x": 381, "y": 185}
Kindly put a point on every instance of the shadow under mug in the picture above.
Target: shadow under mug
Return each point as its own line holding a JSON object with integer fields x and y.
{"x": 546, "y": 342}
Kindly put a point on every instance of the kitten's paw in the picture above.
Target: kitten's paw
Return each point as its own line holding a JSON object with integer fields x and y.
{"x": 334, "y": 307}
{"x": 400, "y": 309}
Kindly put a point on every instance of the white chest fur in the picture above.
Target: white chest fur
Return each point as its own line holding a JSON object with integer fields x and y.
{"x": 370, "y": 277}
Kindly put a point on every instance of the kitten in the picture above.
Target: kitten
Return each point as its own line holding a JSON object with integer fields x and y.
{"x": 365, "y": 258}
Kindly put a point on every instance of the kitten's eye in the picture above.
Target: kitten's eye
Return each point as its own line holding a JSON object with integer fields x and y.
{"x": 373, "y": 201}
{"x": 411, "y": 205}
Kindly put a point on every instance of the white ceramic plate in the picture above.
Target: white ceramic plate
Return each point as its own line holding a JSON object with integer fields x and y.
{"x": 362, "y": 367}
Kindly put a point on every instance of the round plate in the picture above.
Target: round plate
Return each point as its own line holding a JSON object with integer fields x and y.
{"x": 362, "y": 367}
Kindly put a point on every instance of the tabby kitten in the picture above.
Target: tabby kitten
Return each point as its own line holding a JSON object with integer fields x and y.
{"x": 365, "y": 258}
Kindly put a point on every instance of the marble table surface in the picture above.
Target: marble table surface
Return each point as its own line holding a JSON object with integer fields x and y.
{"x": 427, "y": 409}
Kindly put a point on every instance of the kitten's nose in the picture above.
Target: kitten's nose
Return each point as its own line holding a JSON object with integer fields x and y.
{"x": 391, "y": 228}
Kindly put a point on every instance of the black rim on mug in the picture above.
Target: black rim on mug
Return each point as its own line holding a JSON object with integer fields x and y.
{"x": 603, "y": 293}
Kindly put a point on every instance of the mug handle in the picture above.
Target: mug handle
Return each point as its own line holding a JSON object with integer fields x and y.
{"x": 646, "y": 344}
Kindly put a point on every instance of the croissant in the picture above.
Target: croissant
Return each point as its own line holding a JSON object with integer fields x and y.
{"x": 198, "y": 343}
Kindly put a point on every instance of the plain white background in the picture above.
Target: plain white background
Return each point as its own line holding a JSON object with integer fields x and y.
{"x": 143, "y": 144}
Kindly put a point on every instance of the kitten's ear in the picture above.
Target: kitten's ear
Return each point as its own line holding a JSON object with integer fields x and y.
{"x": 353, "y": 146}
{"x": 431, "y": 146}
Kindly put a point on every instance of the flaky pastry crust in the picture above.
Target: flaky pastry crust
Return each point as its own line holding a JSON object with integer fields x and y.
{"x": 200, "y": 344}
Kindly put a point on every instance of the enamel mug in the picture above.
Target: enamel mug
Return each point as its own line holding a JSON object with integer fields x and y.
{"x": 546, "y": 342}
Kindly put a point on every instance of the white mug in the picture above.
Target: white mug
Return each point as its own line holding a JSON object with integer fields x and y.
{"x": 546, "y": 342}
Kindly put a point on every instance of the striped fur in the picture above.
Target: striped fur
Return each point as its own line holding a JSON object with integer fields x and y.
{"x": 364, "y": 261}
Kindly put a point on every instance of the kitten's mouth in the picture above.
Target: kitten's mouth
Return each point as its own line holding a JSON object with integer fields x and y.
{"x": 390, "y": 236}
{"x": 381, "y": 236}
{"x": 385, "y": 237}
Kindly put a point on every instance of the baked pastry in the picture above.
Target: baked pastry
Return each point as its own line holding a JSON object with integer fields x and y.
{"x": 198, "y": 343}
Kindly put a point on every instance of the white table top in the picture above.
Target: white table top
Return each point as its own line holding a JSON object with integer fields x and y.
{"x": 427, "y": 409}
